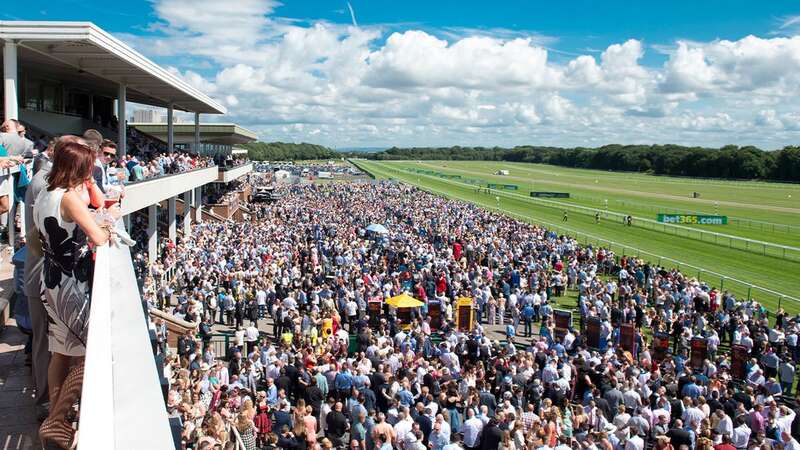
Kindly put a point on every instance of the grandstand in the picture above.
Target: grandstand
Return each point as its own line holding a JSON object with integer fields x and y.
{"x": 66, "y": 77}
{"x": 216, "y": 140}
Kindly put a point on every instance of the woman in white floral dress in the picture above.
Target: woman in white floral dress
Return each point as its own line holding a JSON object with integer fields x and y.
{"x": 66, "y": 227}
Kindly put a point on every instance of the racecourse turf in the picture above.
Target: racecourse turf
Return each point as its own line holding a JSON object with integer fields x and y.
{"x": 763, "y": 204}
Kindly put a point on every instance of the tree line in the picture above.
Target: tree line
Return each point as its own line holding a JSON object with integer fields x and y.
{"x": 287, "y": 151}
{"x": 729, "y": 161}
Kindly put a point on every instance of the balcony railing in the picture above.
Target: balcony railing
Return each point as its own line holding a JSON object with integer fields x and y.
{"x": 234, "y": 165}
{"x": 228, "y": 174}
{"x": 122, "y": 404}
{"x": 147, "y": 192}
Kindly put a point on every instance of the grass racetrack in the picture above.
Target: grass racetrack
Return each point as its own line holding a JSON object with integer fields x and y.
{"x": 768, "y": 212}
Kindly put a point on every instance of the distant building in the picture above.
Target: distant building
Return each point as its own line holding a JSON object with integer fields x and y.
{"x": 153, "y": 116}
{"x": 146, "y": 116}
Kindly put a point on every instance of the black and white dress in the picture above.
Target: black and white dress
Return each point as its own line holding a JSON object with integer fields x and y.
{"x": 66, "y": 275}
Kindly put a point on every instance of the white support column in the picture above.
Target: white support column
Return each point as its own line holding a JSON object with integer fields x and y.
{"x": 187, "y": 213}
{"x": 198, "y": 204}
{"x": 11, "y": 111}
{"x": 170, "y": 129}
{"x": 10, "y": 83}
{"x": 196, "y": 144}
{"x": 172, "y": 220}
{"x": 152, "y": 233}
{"x": 122, "y": 135}
{"x": 126, "y": 219}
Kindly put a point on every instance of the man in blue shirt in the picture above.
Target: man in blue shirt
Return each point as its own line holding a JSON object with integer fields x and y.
{"x": 527, "y": 315}
{"x": 691, "y": 389}
{"x": 272, "y": 392}
{"x": 343, "y": 382}
{"x": 510, "y": 333}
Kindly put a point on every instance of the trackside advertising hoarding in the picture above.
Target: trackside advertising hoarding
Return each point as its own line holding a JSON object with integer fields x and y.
{"x": 550, "y": 194}
{"x": 692, "y": 219}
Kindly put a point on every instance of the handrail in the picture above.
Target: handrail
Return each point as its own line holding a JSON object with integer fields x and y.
{"x": 122, "y": 404}
{"x": 97, "y": 399}
{"x": 224, "y": 168}
{"x": 147, "y": 192}
{"x": 168, "y": 175}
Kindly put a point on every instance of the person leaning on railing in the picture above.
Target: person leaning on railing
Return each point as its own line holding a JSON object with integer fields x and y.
{"x": 13, "y": 146}
{"x": 40, "y": 355}
{"x": 67, "y": 229}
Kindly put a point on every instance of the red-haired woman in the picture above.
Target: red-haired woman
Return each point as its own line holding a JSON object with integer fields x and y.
{"x": 66, "y": 227}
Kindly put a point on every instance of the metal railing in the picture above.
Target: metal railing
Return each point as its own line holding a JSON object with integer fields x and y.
{"x": 122, "y": 406}
{"x": 738, "y": 287}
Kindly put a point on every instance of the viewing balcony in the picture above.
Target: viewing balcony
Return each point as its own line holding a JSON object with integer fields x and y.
{"x": 123, "y": 398}
{"x": 228, "y": 174}
{"x": 144, "y": 193}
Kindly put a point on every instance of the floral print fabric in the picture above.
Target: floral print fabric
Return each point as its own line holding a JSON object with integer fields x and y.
{"x": 66, "y": 276}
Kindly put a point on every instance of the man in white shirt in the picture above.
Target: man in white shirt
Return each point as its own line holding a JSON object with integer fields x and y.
{"x": 261, "y": 300}
{"x": 251, "y": 337}
{"x": 403, "y": 425}
{"x": 789, "y": 443}
{"x": 741, "y": 435}
{"x": 632, "y": 399}
{"x": 472, "y": 430}
{"x": 635, "y": 443}
{"x": 692, "y": 414}
{"x": 786, "y": 418}
{"x": 725, "y": 424}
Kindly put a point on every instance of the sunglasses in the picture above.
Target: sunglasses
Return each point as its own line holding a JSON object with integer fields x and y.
{"x": 110, "y": 155}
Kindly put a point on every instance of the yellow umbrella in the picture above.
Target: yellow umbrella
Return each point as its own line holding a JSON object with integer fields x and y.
{"x": 404, "y": 301}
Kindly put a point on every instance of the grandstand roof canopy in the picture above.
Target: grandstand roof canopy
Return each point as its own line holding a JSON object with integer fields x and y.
{"x": 214, "y": 133}
{"x": 81, "y": 54}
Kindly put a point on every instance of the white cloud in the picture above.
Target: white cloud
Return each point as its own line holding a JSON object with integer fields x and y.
{"x": 418, "y": 59}
{"x": 714, "y": 122}
{"x": 337, "y": 83}
{"x": 751, "y": 64}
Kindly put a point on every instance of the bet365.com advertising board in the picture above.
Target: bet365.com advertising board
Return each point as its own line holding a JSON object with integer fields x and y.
{"x": 692, "y": 219}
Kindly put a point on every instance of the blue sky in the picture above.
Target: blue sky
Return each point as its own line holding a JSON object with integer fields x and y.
{"x": 476, "y": 73}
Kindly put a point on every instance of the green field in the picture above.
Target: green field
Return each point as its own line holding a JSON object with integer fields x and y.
{"x": 768, "y": 212}
{"x": 763, "y": 211}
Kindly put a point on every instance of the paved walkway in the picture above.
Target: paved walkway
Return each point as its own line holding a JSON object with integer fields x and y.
{"x": 18, "y": 424}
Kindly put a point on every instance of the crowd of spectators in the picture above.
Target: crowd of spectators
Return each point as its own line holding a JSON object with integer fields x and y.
{"x": 71, "y": 187}
{"x": 139, "y": 168}
{"x": 308, "y": 267}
